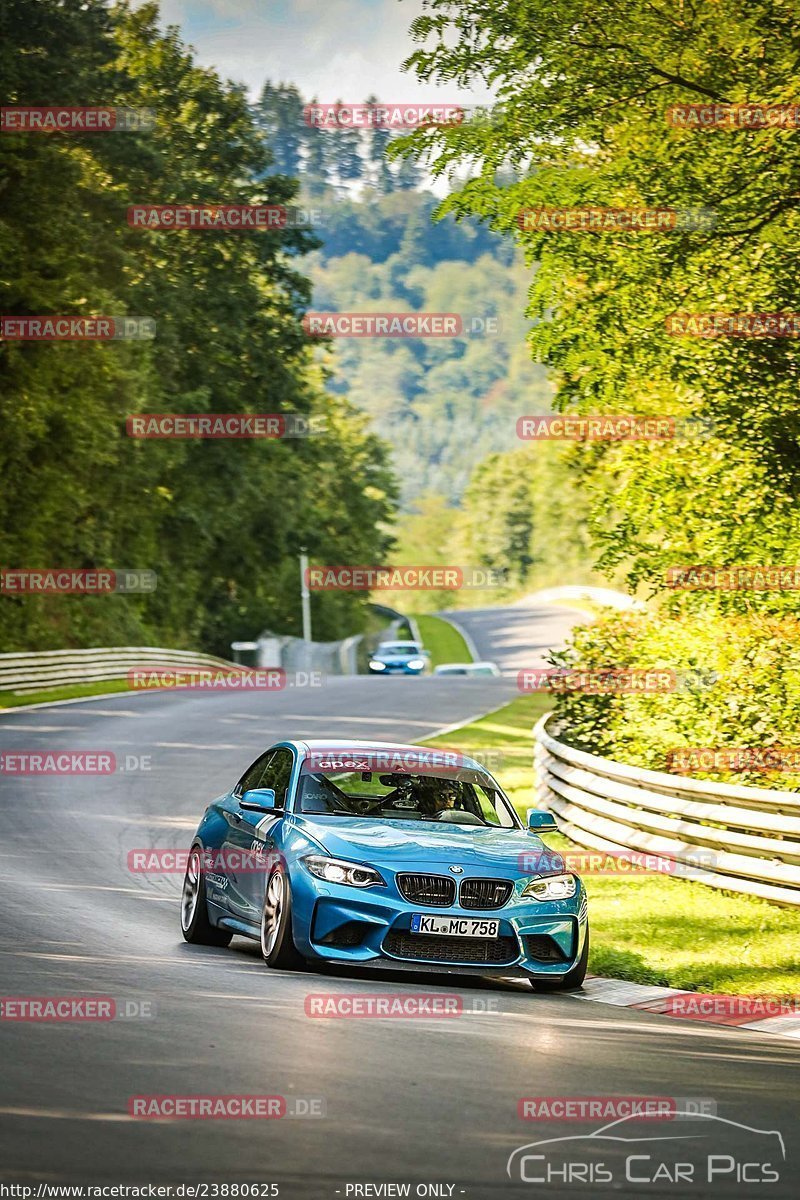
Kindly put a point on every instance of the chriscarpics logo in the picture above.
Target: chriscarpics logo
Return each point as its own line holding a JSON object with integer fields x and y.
{"x": 696, "y": 1150}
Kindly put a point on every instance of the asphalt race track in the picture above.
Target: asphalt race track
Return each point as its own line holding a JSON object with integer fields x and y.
{"x": 518, "y": 636}
{"x": 419, "y": 1101}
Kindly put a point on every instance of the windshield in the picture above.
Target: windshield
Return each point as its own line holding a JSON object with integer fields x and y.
{"x": 398, "y": 648}
{"x": 469, "y": 799}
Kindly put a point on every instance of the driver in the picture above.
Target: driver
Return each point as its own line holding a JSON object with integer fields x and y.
{"x": 447, "y": 796}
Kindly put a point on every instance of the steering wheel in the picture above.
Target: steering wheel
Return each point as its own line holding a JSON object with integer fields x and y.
{"x": 457, "y": 816}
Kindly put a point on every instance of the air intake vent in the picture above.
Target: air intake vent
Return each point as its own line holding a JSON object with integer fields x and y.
{"x": 485, "y": 893}
{"x": 436, "y": 891}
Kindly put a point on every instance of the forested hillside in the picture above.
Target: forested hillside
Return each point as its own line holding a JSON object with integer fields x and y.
{"x": 471, "y": 492}
{"x": 444, "y": 404}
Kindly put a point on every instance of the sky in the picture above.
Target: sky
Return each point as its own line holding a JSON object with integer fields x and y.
{"x": 331, "y": 49}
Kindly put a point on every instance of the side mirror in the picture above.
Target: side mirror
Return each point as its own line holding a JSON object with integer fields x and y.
{"x": 260, "y": 800}
{"x": 541, "y": 821}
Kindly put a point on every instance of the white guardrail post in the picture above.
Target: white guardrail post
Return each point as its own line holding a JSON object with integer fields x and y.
{"x": 743, "y": 839}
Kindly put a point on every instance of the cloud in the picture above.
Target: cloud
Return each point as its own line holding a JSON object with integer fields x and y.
{"x": 332, "y": 49}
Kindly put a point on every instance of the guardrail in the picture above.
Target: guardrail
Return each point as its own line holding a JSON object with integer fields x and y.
{"x": 750, "y": 835}
{"x": 23, "y": 673}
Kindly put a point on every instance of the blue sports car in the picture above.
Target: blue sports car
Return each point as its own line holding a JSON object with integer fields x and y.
{"x": 371, "y": 854}
{"x": 399, "y": 658}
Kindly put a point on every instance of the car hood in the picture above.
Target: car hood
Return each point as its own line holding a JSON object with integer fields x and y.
{"x": 395, "y": 660}
{"x": 403, "y": 843}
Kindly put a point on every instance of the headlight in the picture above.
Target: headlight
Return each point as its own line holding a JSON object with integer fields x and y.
{"x": 376, "y": 666}
{"x": 416, "y": 664}
{"x": 554, "y": 887}
{"x": 336, "y": 870}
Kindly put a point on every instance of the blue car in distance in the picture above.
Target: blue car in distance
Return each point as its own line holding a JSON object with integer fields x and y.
{"x": 399, "y": 658}
{"x": 371, "y": 854}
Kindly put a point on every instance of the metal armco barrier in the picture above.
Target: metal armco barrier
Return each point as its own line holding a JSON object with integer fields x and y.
{"x": 750, "y": 835}
{"x": 22, "y": 673}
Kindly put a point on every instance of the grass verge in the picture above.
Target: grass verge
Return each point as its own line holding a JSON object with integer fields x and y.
{"x": 72, "y": 691}
{"x": 445, "y": 643}
{"x": 651, "y": 929}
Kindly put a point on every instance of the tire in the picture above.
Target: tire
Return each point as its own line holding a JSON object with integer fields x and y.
{"x": 277, "y": 944}
{"x": 573, "y": 978}
{"x": 195, "y": 925}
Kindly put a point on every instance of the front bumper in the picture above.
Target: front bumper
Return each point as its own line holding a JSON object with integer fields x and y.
{"x": 371, "y": 928}
{"x": 401, "y": 669}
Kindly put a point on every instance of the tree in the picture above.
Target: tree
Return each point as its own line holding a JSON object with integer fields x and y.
{"x": 377, "y": 165}
{"x": 279, "y": 113}
{"x": 219, "y": 521}
{"x": 585, "y": 119}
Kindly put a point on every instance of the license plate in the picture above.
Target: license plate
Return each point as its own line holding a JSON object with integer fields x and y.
{"x": 476, "y": 927}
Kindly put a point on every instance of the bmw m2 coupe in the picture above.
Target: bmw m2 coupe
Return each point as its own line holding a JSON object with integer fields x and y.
{"x": 399, "y": 658}
{"x": 370, "y": 854}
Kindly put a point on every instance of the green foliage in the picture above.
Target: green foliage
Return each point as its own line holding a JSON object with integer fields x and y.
{"x": 740, "y": 686}
{"x": 521, "y": 516}
{"x": 583, "y": 120}
{"x": 219, "y": 521}
{"x": 587, "y": 125}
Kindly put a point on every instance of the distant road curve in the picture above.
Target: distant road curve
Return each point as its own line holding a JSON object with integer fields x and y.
{"x": 516, "y": 636}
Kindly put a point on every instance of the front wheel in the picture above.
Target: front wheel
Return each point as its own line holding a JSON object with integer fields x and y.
{"x": 277, "y": 944}
{"x": 195, "y": 925}
{"x": 569, "y": 982}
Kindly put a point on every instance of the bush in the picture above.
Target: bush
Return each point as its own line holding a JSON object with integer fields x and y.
{"x": 738, "y": 685}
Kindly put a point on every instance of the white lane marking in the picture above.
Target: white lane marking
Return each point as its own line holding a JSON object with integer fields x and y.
{"x": 148, "y": 822}
{"x": 64, "y": 1114}
{"x": 199, "y": 746}
{"x": 232, "y": 966}
{"x": 49, "y": 728}
{"x": 97, "y": 887}
{"x": 111, "y": 712}
{"x": 26, "y": 708}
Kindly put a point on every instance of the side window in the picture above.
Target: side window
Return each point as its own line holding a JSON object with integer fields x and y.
{"x": 253, "y": 775}
{"x": 278, "y": 773}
